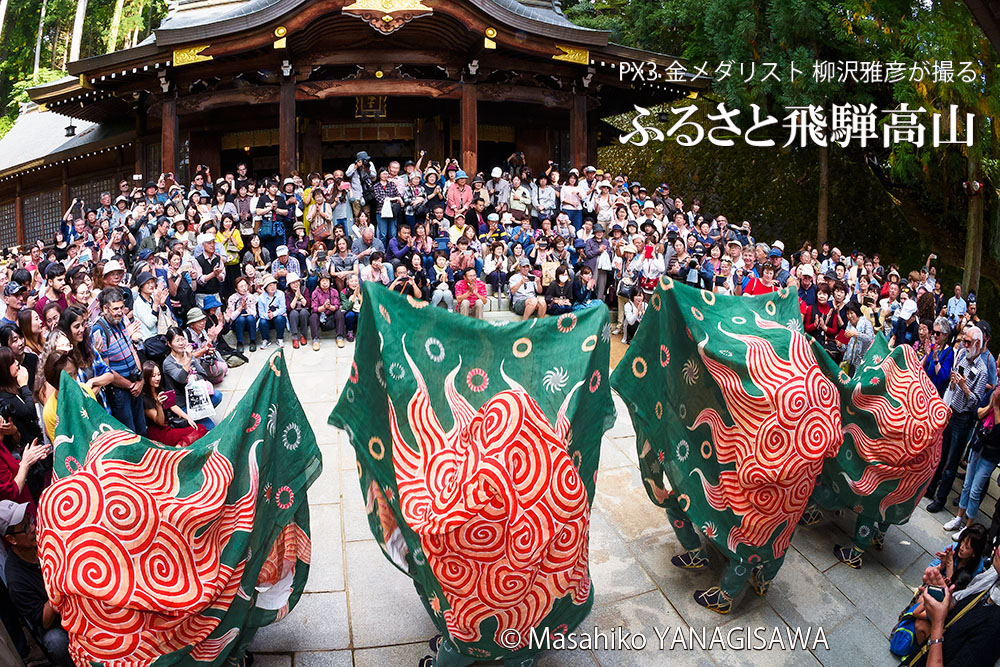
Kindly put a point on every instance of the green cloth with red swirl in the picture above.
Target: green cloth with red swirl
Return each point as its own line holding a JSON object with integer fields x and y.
{"x": 730, "y": 405}
{"x": 477, "y": 449}
{"x": 893, "y": 424}
{"x": 166, "y": 555}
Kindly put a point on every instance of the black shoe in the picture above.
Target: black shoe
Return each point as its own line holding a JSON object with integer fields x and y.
{"x": 253, "y": 348}
{"x": 239, "y": 349}
{"x": 935, "y": 507}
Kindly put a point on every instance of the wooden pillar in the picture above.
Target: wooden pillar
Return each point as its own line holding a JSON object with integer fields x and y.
{"x": 19, "y": 213}
{"x": 578, "y": 131}
{"x": 593, "y": 123}
{"x": 288, "y": 159}
{"x": 168, "y": 137}
{"x": 64, "y": 194}
{"x": 312, "y": 146}
{"x": 140, "y": 144}
{"x": 470, "y": 129}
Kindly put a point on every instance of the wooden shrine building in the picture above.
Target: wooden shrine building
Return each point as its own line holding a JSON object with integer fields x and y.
{"x": 305, "y": 84}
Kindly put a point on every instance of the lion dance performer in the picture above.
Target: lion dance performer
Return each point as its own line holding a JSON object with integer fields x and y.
{"x": 893, "y": 424}
{"x": 728, "y": 402}
{"x": 477, "y": 455}
{"x": 164, "y": 555}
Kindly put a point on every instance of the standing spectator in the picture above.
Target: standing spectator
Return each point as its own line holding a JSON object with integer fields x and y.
{"x": 939, "y": 362}
{"x": 114, "y": 341}
{"x": 387, "y": 201}
{"x": 459, "y": 196}
{"x": 210, "y": 270}
{"x": 968, "y": 382}
{"x": 957, "y": 306}
{"x": 272, "y": 210}
{"x": 271, "y": 311}
{"x": 860, "y": 335}
{"x": 55, "y": 292}
{"x": 906, "y": 331}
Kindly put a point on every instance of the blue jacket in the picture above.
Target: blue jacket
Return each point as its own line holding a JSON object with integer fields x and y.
{"x": 942, "y": 378}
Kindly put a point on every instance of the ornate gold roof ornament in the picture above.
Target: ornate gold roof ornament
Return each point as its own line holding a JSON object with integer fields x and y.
{"x": 387, "y": 16}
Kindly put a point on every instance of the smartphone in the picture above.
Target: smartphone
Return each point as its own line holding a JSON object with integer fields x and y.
{"x": 936, "y": 592}
{"x": 169, "y": 399}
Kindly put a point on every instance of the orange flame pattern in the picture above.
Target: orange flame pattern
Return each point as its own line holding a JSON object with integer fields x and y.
{"x": 501, "y": 512}
{"x": 778, "y": 439}
{"x": 911, "y": 423}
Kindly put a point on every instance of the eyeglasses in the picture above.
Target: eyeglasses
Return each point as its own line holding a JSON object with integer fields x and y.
{"x": 938, "y": 332}
{"x": 28, "y": 527}
{"x": 966, "y": 341}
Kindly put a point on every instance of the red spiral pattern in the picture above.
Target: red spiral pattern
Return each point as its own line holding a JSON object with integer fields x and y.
{"x": 99, "y": 566}
{"x": 130, "y": 513}
{"x": 512, "y": 507}
{"x": 168, "y": 571}
{"x": 72, "y": 502}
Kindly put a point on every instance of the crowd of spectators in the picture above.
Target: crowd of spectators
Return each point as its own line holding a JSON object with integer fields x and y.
{"x": 148, "y": 296}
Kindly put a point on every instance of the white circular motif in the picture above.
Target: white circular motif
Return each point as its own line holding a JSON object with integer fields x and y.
{"x": 380, "y": 372}
{"x": 682, "y": 410}
{"x": 739, "y": 320}
{"x": 683, "y": 449}
{"x": 288, "y": 442}
{"x": 435, "y": 350}
{"x": 396, "y": 371}
{"x": 726, "y": 353}
{"x": 349, "y": 394}
{"x": 555, "y": 379}
{"x": 864, "y": 531}
{"x": 794, "y": 324}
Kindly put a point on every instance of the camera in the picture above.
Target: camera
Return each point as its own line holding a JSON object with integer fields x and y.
{"x": 693, "y": 264}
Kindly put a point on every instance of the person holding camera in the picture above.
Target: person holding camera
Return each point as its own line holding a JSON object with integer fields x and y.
{"x": 271, "y": 209}
{"x": 272, "y": 312}
{"x": 113, "y": 340}
{"x": 363, "y": 175}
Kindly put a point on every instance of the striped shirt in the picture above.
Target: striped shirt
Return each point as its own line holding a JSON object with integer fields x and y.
{"x": 118, "y": 352}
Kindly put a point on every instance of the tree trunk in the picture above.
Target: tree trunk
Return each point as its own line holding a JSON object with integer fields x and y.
{"x": 3, "y": 13}
{"x": 116, "y": 20}
{"x": 823, "y": 206}
{"x": 81, "y": 13}
{"x": 974, "y": 231}
{"x": 38, "y": 42}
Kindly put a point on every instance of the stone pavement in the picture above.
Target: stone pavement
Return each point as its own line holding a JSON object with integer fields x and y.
{"x": 359, "y": 611}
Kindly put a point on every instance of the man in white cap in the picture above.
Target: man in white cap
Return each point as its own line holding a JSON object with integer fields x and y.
{"x": 114, "y": 275}
{"x": 526, "y": 291}
{"x": 807, "y": 290}
{"x": 209, "y": 268}
{"x": 283, "y": 265}
{"x": 26, "y": 585}
{"x": 906, "y": 330}
{"x": 499, "y": 189}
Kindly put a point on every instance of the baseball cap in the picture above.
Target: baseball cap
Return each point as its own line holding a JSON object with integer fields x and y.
{"x": 523, "y": 261}
{"x": 13, "y": 289}
{"x": 11, "y": 514}
{"x": 281, "y": 251}
{"x": 775, "y": 252}
{"x": 590, "y": 169}
{"x": 497, "y": 172}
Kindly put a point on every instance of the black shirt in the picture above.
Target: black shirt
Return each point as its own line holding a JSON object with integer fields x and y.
{"x": 971, "y": 640}
{"x": 27, "y": 589}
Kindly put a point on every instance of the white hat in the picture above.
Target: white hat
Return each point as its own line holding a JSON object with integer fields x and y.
{"x": 807, "y": 270}
{"x": 497, "y": 172}
{"x": 291, "y": 278}
{"x": 207, "y": 237}
{"x": 112, "y": 266}
{"x": 649, "y": 204}
{"x": 11, "y": 514}
{"x": 908, "y": 309}
{"x": 590, "y": 168}
{"x": 281, "y": 250}
{"x": 268, "y": 279}
{"x": 779, "y": 245}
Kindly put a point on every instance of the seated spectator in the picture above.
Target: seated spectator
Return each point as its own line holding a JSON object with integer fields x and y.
{"x": 526, "y": 292}
{"x": 375, "y": 270}
{"x": 271, "y": 311}
{"x": 241, "y": 313}
{"x": 26, "y": 585}
{"x": 326, "y": 313}
{"x": 203, "y": 345}
{"x": 404, "y": 283}
{"x": 166, "y": 422}
{"x": 350, "y": 304}
{"x": 634, "y": 311}
{"x": 180, "y": 369}
{"x": 470, "y": 294}
{"x": 584, "y": 286}
{"x": 559, "y": 293}
{"x": 297, "y": 301}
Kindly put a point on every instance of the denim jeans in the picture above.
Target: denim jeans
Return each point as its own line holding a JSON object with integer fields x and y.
{"x": 977, "y": 478}
{"x": 126, "y": 408}
{"x": 279, "y": 327}
{"x": 55, "y": 642}
{"x": 956, "y": 437}
{"x": 350, "y": 321}
{"x": 386, "y": 229}
{"x": 245, "y": 324}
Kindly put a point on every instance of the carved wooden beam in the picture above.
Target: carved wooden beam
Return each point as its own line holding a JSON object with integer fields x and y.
{"x": 318, "y": 90}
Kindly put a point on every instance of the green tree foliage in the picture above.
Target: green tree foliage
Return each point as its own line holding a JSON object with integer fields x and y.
{"x": 20, "y": 33}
